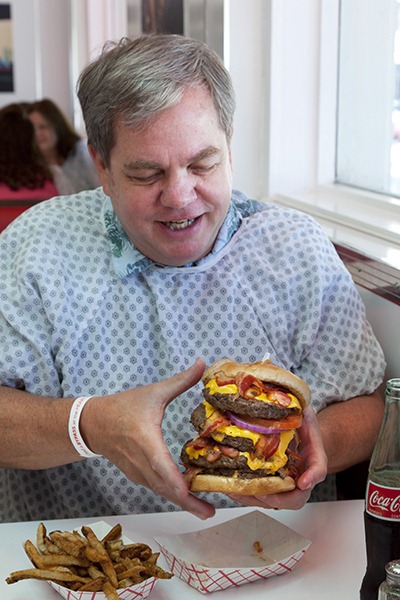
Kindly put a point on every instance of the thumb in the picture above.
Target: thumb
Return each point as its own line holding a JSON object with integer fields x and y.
{"x": 183, "y": 381}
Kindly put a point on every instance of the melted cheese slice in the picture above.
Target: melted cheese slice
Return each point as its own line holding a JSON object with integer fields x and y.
{"x": 231, "y": 388}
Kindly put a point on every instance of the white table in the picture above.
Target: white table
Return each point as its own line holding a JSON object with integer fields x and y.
{"x": 332, "y": 567}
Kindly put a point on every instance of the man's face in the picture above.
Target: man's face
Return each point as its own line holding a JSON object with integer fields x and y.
{"x": 170, "y": 181}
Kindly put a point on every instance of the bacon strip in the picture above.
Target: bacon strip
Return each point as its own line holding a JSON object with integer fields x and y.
{"x": 190, "y": 474}
{"x": 199, "y": 442}
{"x": 293, "y": 465}
{"x": 250, "y": 387}
{"x": 280, "y": 397}
{"x": 222, "y": 379}
{"x": 229, "y": 451}
{"x": 213, "y": 423}
{"x": 213, "y": 449}
{"x": 267, "y": 445}
{"x": 247, "y": 385}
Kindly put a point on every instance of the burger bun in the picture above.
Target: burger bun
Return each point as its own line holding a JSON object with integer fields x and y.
{"x": 259, "y": 486}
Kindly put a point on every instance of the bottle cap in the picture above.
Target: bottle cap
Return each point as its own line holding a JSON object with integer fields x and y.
{"x": 393, "y": 572}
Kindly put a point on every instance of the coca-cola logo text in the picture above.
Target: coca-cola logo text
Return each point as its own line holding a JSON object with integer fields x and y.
{"x": 383, "y": 502}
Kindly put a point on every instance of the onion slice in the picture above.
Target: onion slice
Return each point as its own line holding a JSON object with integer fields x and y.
{"x": 266, "y": 426}
{"x": 257, "y": 428}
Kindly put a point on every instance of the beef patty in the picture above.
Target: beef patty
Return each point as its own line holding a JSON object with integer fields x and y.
{"x": 250, "y": 407}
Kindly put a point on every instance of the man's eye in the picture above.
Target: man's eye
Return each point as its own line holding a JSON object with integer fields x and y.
{"x": 203, "y": 168}
{"x": 144, "y": 179}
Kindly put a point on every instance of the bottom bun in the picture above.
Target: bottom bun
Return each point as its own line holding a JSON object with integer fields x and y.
{"x": 260, "y": 486}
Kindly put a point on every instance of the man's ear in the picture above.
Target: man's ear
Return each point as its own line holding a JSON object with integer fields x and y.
{"x": 98, "y": 161}
{"x": 100, "y": 166}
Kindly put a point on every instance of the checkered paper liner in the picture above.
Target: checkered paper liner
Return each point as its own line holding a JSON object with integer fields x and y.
{"x": 225, "y": 556}
{"x": 139, "y": 591}
{"x": 135, "y": 592}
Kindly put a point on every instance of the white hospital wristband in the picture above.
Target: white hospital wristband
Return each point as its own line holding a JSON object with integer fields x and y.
{"x": 73, "y": 428}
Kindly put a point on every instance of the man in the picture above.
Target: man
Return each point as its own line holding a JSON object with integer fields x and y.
{"x": 112, "y": 295}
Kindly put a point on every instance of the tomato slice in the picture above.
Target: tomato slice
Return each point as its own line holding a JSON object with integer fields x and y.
{"x": 291, "y": 422}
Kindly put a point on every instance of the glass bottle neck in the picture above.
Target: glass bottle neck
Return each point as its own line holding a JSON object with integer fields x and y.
{"x": 393, "y": 389}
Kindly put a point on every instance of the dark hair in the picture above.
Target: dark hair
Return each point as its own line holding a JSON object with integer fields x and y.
{"x": 67, "y": 137}
{"x": 21, "y": 162}
{"x": 135, "y": 79}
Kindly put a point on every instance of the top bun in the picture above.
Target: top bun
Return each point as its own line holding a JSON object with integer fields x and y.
{"x": 263, "y": 370}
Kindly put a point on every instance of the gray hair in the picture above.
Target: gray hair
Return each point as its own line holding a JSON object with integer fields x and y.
{"x": 136, "y": 79}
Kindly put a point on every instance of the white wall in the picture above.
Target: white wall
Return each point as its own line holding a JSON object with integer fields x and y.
{"x": 384, "y": 317}
{"x": 246, "y": 63}
{"x": 53, "y": 49}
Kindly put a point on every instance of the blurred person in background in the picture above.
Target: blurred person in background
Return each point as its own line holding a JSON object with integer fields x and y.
{"x": 25, "y": 178}
{"x": 62, "y": 148}
{"x": 24, "y": 174}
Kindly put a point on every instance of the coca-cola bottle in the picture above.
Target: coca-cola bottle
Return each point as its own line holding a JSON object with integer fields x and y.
{"x": 382, "y": 503}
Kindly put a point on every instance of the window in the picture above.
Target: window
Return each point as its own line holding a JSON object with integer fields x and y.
{"x": 368, "y": 142}
{"x": 308, "y": 118}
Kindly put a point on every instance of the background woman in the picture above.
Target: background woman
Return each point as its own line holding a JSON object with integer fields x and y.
{"x": 62, "y": 148}
{"x": 24, "y": 174}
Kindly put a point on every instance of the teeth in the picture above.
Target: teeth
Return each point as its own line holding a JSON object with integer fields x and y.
{"x": 179, "y": 224}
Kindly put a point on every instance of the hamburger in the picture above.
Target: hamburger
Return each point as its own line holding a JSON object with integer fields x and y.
{"x": 247, "y": 424}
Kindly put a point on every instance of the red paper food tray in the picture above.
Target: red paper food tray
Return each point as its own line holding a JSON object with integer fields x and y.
{"x": 249, "y": 548}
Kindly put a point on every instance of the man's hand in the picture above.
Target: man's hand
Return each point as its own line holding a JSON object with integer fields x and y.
{"x": 126, "y": 428}
{"x": 315, "y": 470}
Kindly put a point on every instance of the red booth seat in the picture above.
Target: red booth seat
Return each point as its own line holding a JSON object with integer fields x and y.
{"x": 10, "y": 209}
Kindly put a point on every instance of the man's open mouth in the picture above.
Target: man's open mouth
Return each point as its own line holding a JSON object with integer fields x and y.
{"x": 183, "y": 224}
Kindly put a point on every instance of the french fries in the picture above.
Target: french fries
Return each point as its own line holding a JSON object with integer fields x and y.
{"x": 83, "y": 562}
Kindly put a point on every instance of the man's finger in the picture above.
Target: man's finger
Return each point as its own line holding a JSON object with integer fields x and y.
{"x": 183, "y": 381}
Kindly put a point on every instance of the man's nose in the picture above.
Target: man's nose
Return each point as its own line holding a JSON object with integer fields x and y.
{"x": 178, "y": 189}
